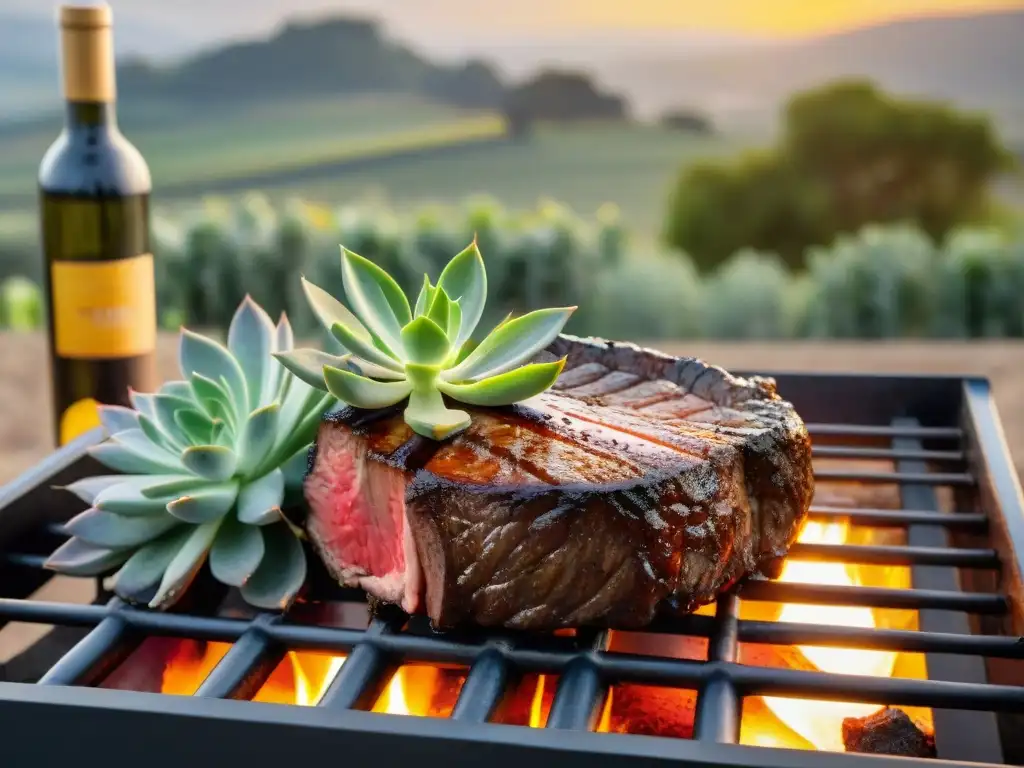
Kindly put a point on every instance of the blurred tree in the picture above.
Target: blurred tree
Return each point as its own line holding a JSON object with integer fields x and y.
{"x": 850, "y": 155}
{"x": 560, "y": 96}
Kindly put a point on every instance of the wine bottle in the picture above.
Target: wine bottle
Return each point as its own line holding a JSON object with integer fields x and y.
{"x": 98, "y": 269}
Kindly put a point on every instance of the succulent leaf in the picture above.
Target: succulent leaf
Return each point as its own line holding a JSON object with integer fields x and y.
{"x": 195, "y": 425}
{"x": 203, "y": 470}
{"x": 185, "y": 565}
{"x": 259, "y": 502}
{"x": 105, "y": 529}
{"x": 236, "y": 553}
{"x": 425, "y": 297}
{"x": 308, "y": 364}
{"x": 141, "y": 402}
{"x": 281, "y": 573}
{"x": 251, "y": 340}
{"x": 88, "y": 488}
{"x": 364, "y": 368}
{"x": 363, "y": 392}
{"x": 127, "y": 499}
{"x": 366, "y": 349}
{"x": 425, "y": 341}
{"x": 511, "y": 344}
{"x": 423, "y": 353}
{"x": 439, "y": 309}
{"x": 212, "y": 397}
{"x": 454, "y": 325}
{"x": 205, "y": 504}
{"x": 179, "y": 389}
{"x": 428, "y": 416}
{"x": 77, "y": 558}
{"x": 214, "y": 462}
{"x": 121, "y": 459}
{"x": 117, "y": 418}
{"x": 294, "y": 468}
{"x": 257, "y": 438}
{"x": 329, "y": 310}
{"x": 146, "y": 567}
{"x": 164, "y": 407}
{"x": 376, "y": 298}
{"x": 199, "y": 354}
{"x": 506, "y": 388}
{"x": 156, "y": 435}
{"x": 464, "y": 279}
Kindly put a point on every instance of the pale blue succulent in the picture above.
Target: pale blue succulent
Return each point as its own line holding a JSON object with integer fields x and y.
{"x": 423, "y": 353}
{"x": 206, "y": 463}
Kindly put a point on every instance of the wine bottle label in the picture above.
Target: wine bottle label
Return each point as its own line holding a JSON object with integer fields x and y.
{"x": 104, "y": 309}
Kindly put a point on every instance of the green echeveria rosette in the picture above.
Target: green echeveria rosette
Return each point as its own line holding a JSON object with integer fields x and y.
{"x": 424, "y": 352}
{"x": 206, "y": 463}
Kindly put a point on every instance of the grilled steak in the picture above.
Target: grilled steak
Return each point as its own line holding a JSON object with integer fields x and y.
{"x": 640, "y": 483}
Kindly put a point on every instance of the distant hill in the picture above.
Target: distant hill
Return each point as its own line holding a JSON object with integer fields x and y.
{"x": 29, "y": 57}
{"x": 335, "y": 56}
{"x": 976, "y": 61}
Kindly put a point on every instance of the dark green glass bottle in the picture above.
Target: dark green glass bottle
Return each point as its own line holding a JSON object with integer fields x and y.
{"x": 94, "y": 206}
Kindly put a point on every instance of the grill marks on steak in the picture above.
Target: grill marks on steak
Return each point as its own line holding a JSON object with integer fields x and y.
{"x": 600, "y": 502}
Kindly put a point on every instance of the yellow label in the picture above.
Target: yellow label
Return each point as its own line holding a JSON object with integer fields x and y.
{"x": 79, "y": 418}
{"x": 104, "y": 309}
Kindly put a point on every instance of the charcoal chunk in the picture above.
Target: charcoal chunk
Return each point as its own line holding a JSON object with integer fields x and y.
{"x": 890, "y": 731}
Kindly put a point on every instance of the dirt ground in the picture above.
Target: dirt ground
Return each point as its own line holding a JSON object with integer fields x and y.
{"x": 25, "y": 431}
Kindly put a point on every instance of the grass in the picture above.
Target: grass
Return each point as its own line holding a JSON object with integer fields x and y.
{"x": 581, "y": 166}
{"x": 217, "y": 143}
{"x": 306, "y": 148}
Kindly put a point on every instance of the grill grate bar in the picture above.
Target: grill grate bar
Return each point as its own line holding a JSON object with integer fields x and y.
{"x": 881, "y": 518}
{"x": 879, "y": 554}
{"x": 852, "y": 452}
{"x": 96, "y": 654}
{"x": 775, "y": 681}
{"x": 581, "y": 693}
{"x": 485, "y": 684}
{"x": 247, "y": 664}
{"x": 362, "y": 677}
{"x": 338, "y": 640}
{"x": 916, "y": 478}
{"x": 874, "y": 597}
{"x": 718, "y": 705}
{"x": 861, "y": 430}
{"x": 785, "y": 633}
{"x": 958, "y": 735}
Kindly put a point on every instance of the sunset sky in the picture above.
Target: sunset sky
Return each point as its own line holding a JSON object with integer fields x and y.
{"x": 759, "y": 17}
{"x": 437, "y": 22}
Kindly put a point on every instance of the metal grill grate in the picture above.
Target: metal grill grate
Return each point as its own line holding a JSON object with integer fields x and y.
{"x": 916, "y": 423}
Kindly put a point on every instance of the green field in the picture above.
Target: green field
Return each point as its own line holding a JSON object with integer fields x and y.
{"x": 306, "y": 148}
{"x": 581, "y": 166}
{"x": 221, "y": 144}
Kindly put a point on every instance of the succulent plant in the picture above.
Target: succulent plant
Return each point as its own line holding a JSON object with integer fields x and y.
{"x": 424, "y": 352}
{"x": 206, "y": 463}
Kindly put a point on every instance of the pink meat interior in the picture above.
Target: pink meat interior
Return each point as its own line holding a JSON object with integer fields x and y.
{"x": 357, "y": 518}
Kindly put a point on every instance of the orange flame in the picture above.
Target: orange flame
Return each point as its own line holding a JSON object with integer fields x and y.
{"x": 301, "y": 678}
{"x": 818, "y": 724}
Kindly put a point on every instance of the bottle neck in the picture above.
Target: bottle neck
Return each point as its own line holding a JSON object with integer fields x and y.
{"x": 90, "y": 114}
{"x": 87, "y": 61}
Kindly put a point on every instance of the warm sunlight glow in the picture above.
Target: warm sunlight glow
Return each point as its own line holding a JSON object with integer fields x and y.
{"x": 770, "y": 18}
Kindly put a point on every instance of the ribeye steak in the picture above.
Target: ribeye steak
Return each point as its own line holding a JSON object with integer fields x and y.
{"x": 641, "y": 483}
